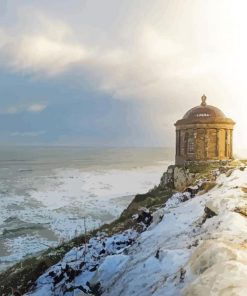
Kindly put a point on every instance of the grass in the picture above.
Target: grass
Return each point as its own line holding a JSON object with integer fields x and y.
{"x": 206, "y": 187}
{"x": 203, "y": 168}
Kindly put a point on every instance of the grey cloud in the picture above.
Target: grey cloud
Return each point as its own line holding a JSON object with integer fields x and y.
{"x": 32, "y": 108}
{"x": 28, "y": 134}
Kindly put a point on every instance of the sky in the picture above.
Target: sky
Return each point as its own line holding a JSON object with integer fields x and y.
{"x": 118, "y": 72}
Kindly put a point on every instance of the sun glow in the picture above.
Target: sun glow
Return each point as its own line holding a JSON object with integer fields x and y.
{"x": 232, "y": 66}
{"x": 212, "y": 59}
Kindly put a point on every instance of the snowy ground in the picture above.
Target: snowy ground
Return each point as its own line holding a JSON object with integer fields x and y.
{"x": 180, "y": 255}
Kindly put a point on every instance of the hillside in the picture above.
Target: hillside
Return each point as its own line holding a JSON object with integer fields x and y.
{"x": 190, "y": 239}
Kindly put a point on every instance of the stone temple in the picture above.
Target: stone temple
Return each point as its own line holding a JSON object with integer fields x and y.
{"x": 204, "y": 134}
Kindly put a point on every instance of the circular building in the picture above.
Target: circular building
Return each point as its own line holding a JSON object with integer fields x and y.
{"x": 204, "y": 133}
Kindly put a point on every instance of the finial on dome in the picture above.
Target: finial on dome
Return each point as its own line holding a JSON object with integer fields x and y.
{"x": 204, "y": 98}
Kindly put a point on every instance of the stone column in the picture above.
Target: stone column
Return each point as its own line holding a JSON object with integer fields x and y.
{"x": 206, "y": 143}
{"x": 195, "y": 133}
{"x": 231, "y": 148}
{"x": 218, "y": 142}
{"x": 186, "y": 143}
{"x": 178, "y": 142}
{"x": 195, "y": 142}
{"x": 226, "y": 143}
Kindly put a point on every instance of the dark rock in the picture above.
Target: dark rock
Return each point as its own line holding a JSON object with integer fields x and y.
{"x": 145, "y": 217}
{"x": 71, "y": 274}
{"x": 51, "y": 273}
{"x": 81, "y": 264}
{"x": 182, "y": 275}
{"x": 157, "y": 255}
{"x": 102, "y": 252}
{"x": 207, "y": 214}
{"x": 94, "y": 268}
{"x": 130, "y": 241}
{"x": 57, "y": 279}
{"x": 192, "y": 191}
{"x": 95, "y": 289}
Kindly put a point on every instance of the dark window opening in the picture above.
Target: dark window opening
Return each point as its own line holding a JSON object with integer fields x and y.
{"x": 191, "y": 146}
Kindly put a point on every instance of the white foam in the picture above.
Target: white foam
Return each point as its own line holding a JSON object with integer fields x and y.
{"x": 61, "y": 200}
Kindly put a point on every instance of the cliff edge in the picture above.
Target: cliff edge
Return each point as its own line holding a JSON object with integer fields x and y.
{"x": 187, "y": 236}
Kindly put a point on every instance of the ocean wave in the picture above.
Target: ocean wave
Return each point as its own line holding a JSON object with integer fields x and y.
{"x": 56, "y": 200}
{"x": 13, "y": 226}
{"x": 25, "y": 170}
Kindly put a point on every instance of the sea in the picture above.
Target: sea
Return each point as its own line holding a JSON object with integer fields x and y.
{"x": 48, "y": 195}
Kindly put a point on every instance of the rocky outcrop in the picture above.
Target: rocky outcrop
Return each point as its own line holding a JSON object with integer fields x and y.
{"x": 177, "y": 178}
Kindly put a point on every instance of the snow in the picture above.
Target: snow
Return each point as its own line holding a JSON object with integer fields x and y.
{"x": 177, "y": 236}
{"x": 80, "y": 264}
{"x": 112, "y": 265}
{"x": 178, "y": 254}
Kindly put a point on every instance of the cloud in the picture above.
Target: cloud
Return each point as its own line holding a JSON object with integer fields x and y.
{"x": 28, "y": 134}
{"x": 161, "y": 53}
{"x": 41, "y": 54}
{"x": 146, "y": 52}
{"x": 36, "y": 108}
{"x": 44, "y": 45}
{"x": 153, "y": 53}
{"x": 10, "y": 110}
{"x": 49, "y": 48}
{"x": 32, "y": 108}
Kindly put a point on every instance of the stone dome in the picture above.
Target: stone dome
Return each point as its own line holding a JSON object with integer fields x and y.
{"x": 204, "y": 134}
{"x": 204, "y": 111}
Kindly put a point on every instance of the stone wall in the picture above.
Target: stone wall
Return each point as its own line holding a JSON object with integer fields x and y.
{"x": 201, "y": 144}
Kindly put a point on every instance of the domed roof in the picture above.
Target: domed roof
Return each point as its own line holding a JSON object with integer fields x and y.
{"x": 204, "y": 111}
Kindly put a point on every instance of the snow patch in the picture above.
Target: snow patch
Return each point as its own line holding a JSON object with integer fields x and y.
{"x": 176, "y": 255}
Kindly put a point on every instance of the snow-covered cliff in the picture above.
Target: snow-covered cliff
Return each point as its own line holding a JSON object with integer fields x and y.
{"x": 188, "y": 253}
{"x": 196, "y": 245}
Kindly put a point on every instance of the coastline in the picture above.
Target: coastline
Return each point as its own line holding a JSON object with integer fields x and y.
{"x": 72, "y": 200}
{"x": 32, "y": 267}
{"x": 27, "y": 272}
